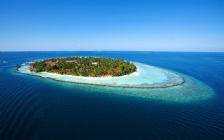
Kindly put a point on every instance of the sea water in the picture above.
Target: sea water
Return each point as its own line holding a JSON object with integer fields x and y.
{"x": 41, "y": 108}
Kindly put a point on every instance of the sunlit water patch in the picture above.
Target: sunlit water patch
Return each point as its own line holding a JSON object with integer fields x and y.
{"x": 148, "y": 82}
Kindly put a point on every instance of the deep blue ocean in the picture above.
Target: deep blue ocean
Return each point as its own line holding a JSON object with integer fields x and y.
{"x": 34, "y": 108}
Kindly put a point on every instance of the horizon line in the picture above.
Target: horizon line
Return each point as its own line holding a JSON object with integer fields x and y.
{"x": 113, "y": 51}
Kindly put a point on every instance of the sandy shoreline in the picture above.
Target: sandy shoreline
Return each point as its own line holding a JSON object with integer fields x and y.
{"x": 136, "y": 73}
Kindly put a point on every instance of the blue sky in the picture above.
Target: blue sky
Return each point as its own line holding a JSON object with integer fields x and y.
{"x": 133, "y": 25}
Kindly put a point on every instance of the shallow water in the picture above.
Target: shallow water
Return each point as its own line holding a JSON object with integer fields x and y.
{"x": 41, "y": 108}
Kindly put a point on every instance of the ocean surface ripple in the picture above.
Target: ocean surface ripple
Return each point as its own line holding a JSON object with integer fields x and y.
{"x": 39, "y": 108}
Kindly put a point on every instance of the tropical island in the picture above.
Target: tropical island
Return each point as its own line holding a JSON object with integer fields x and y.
{"x": 84, "y": 66}
{"x": 102, "y": 72}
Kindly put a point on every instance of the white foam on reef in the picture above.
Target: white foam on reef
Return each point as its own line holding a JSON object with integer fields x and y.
{"x": 146, "y": 76}
{"x": 191, "y": 91}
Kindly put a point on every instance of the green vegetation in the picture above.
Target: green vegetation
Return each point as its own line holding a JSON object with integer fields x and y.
{"x": 84, "y": 66}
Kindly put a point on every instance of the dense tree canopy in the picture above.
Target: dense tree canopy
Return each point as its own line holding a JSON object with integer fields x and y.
{"x": 84, "y": 66}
